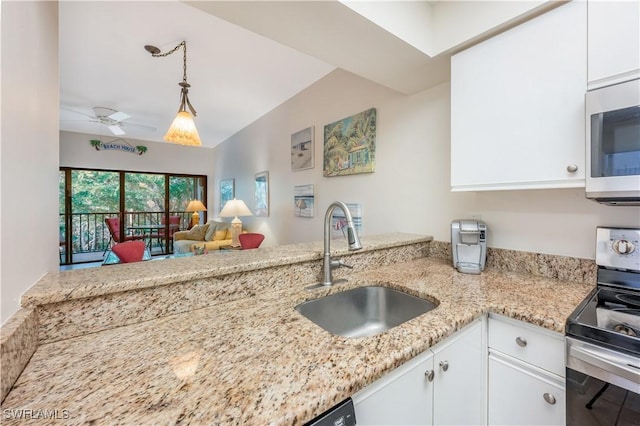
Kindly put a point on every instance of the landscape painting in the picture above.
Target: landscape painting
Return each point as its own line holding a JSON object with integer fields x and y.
{"x": 304, "y": 200}
{"x": 350, "y": 145}
{"x": 302, "y": 148}
{"x": 339, "y": 221}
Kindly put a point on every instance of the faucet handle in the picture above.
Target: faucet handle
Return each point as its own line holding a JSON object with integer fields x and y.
{"x": 341, "y": 263}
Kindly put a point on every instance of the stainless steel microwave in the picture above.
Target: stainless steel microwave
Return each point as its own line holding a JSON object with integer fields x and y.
{"x": 613, "y": 144}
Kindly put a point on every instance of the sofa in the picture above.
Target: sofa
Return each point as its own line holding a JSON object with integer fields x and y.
{"x": 210, "y": 236}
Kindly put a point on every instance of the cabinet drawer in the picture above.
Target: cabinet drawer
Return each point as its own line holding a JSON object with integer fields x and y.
{"x": 535, "y": 345}
{"x": 523, "y": 395}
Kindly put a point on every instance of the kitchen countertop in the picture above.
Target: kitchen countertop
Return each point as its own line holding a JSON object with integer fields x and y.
{"x": 258, "y": 361}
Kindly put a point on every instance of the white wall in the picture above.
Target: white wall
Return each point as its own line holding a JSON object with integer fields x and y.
{"x": 409, "y": 191}
{"x": 75, "y": 151}
{"x": 29, "y": 148}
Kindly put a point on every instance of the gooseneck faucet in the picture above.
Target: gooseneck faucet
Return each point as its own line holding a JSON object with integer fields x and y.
{"x": 352, "y": 238}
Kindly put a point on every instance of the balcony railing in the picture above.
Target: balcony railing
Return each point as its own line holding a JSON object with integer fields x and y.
{"x": 90, "y": 236}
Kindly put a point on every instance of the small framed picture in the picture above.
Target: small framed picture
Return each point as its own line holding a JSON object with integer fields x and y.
{"x": 261, "y": 194}
{"x": 227, "y": 191}
{"x": 302, "y": 147}
{"x": 304, "y": 200}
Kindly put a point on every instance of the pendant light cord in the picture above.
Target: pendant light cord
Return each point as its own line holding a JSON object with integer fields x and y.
{"x": 184, "y": 98}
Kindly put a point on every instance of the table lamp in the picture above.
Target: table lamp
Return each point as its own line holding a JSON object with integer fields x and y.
{"x": 195, "y": 206}
{"x": 234, "y": 208}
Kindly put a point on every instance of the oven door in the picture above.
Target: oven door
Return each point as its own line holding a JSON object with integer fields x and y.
{"x": 603, "y": 386}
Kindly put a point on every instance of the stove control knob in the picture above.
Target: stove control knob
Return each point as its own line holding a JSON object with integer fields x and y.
{"x": 623, "y": 247}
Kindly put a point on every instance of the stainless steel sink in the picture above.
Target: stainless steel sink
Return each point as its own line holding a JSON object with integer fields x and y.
{"x": 364, "y": 311}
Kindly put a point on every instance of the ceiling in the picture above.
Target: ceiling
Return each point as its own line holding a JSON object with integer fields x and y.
{"x": 244, "y": 58}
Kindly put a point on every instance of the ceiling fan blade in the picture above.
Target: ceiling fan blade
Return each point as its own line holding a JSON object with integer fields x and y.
{"x": 129, "y": 123}
{"x": 116, "y": 130}
{"x": 66, "y": 108}
{"x": 119, "y": 116}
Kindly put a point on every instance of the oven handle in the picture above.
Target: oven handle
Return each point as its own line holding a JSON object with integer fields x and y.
{"x": 608, "y": 361}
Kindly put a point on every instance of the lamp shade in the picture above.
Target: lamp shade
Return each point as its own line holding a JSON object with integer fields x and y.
{"x": 196, "y": 206}
{"x": 235, "y": 208}
{"x": 183, "y": 130}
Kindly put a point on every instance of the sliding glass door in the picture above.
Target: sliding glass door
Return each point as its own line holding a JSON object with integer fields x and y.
{"x": 151, "y": 205}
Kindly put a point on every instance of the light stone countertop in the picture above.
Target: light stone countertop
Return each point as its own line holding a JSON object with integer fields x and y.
{"x": 65, "y": 285}
{"x": 258, "y": 361}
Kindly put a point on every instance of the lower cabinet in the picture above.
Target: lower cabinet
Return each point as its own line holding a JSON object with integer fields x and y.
{"x": 521, "y": 394}
{"x": 526, "y": 374}
{"x": 520, "y": 382}
{"x": 444, "y": 385}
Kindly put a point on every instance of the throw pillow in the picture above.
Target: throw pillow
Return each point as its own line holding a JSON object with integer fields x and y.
{"x": 197, "y": 232}
{"x": 221, "y": 234}
{"x": 214, "y": 225}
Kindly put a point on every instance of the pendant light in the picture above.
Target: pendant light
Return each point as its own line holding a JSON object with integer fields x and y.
{"x": 183, "y": 129}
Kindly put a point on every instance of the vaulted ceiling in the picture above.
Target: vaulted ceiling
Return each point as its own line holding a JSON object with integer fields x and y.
{"x": 245, "y": 58}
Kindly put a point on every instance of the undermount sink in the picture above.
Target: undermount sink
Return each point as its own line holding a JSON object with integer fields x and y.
{"x": 364, "y": 311}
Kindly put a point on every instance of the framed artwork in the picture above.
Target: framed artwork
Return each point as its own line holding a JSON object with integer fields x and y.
{"x": 350, "y": 145}
{"x": 302, "y": 148}
{"x": 261, "y": 194}
{"x": 303, "y": 200}
{"x": 339, "y": 221}
{"x": 227, "y": 191}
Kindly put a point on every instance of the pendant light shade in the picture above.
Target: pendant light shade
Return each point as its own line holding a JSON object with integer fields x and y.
{"x": 183, "y": 130}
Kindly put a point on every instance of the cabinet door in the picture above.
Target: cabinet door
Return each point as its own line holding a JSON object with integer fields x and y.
{"x": 402, "y": 397}
{"x": 614, "y": 42}
{"x": 459, "y": 396}
{"x": 520, "y": 394}
{"x": 517, "y": 106}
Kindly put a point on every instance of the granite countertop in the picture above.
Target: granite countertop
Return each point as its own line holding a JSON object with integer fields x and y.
{"x": 258, "y": 361}
{"x": 65, "y": 285}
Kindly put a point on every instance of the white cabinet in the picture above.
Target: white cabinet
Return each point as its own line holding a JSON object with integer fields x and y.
{"x": 444, "y": 385}
{"x": 520, "y": 394}
{"x": 404, "y": 396}
{"x": 517, "y": 106}
{"x": 614, "y": 42}
{"x": 526, "y": 374}
{"x": 459, "y": 383}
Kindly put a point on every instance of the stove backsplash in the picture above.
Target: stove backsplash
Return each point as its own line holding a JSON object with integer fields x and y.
{"x": 543, "y": 265}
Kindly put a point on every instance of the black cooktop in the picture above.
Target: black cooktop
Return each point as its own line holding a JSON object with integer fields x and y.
{"x": 609, "y": 316}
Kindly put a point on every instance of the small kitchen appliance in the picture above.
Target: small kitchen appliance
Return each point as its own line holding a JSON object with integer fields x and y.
{"x": 469, "y": 245}
{"x": 603, "y": 337}
{"x": 613, "y": 144}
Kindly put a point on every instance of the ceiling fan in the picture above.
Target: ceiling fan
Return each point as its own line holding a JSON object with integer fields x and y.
{"x": 110, "y": 118}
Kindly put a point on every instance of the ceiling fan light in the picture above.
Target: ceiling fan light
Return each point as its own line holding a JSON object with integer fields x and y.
{"x": 183, "y": 130}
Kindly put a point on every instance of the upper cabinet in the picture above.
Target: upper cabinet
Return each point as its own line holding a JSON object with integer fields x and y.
{"x": 614, "y": 42}
{"x": 517, "y": 106}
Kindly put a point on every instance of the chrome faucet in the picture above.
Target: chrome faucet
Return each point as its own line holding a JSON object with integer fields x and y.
{"x": 352, "y": 238}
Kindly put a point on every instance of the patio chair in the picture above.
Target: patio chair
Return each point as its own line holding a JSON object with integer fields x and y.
{"x": 174, "y": 223}
{"x": 250, "y": 240}
{"x": 113, "y": 224}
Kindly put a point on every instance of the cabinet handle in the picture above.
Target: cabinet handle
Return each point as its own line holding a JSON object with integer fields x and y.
{"x": 521, "y": 341}
{"x": 572, "y": 168}
{"x": 444, "y": 365}
{"x": 428, "y": 375}
{"x": 550, "y": 399}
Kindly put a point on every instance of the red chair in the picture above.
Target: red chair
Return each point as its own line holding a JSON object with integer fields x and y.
{"x": 129, "y": 251}
{"x": 250, "y": 240}
{"x": 113, "y": 224}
